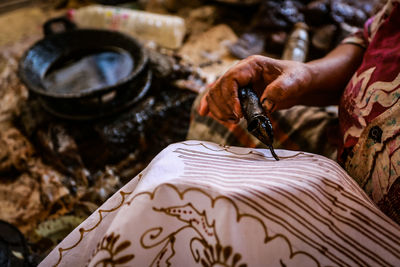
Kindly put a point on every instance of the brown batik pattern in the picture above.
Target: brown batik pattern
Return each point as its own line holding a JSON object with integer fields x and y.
{"x": 221, "y": 204}
{"x": 206, "y": 247}
{"x": 108, "y": 252}
{"x": 205, "y": 244}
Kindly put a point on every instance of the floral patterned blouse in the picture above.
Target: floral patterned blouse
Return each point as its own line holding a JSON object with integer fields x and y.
{"x": 369, "y": 112}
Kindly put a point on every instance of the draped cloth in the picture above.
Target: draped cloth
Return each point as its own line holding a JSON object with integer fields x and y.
{"x": 369, "y": 112}
{"x": 199, "y": 203}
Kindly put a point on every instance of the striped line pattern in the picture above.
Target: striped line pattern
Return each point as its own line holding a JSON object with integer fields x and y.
{"x": 305, "y": 197}
{"x": 198, "y": 203}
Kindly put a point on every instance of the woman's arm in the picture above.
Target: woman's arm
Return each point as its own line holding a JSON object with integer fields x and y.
{"x": 283, "y": 84}
{"x": 332, "y": 73}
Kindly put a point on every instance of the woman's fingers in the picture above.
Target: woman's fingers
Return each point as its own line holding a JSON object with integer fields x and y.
{"x": 229, "y": 90}
{"x": 287, "y": 89}
{"x": 276, "y": 81}
{"x": 214, "y": 102}
{"x": 222, "y": 99}
{"x": 218, "y": 105}
{"x": 274, "y": 93}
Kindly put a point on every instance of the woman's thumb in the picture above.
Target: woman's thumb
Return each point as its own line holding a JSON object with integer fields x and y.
{"x": 274, "y": 93}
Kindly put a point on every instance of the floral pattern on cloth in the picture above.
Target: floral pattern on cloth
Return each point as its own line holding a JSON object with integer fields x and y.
{"x": 203, "y": 204}
{"x": 369, "y": 112}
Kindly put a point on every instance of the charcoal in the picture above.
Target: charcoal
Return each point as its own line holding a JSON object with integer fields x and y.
{"x": 278, "y": 15}
{"x": 305, "y": 2}
{"x": 369, "y": 7}
{"x": 343, "y": 12}
{"x": 291, "y": 13}
{"x": 148, "y": 127}
{"x": 317, "y": 13}
{"x": 169, "y": 67}
{"x": 248, "y": 44}
{"x": 269, "y": 17}
{"x": 276, "y": 18}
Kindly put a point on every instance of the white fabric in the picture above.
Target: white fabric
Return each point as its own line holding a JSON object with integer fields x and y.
{"x": 199, "y": 203}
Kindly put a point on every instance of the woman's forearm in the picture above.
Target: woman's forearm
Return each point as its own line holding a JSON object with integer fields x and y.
{"x": 331, "y": 73}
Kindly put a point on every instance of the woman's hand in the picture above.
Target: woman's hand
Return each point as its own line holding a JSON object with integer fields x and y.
{"x": 282, "y": 84}
{"x": 279, "y": 84}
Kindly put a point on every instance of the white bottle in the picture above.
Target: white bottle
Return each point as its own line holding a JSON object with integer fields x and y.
{"x": 165, "y": 30}
{"x": 296, "y": 47}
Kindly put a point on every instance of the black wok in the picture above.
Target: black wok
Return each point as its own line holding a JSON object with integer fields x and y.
{"x": 85, "y": 73}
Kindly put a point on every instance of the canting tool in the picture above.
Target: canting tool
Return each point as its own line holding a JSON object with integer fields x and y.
{"x": 258, "y": 123}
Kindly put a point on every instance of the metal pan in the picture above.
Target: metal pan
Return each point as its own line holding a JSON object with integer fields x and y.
{"x": 85, "y": 73}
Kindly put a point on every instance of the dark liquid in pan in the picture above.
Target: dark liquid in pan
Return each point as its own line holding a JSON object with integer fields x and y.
{"x": 89, "y": 71}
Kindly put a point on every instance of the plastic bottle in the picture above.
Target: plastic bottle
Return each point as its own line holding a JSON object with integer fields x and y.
{"x": 165, "y": 30}
{"x": 296, "y": 47}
